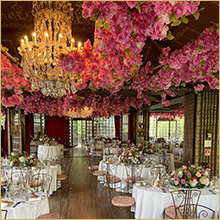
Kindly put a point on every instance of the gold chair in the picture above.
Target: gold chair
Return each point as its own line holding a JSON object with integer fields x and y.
{"x": 185, "y": 204}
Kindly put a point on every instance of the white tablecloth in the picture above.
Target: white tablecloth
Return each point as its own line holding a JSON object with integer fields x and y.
{"x": 28, "y": 210}
{"x": 150, "y": 203}
{"x": 49, "y": 152}
{"x": 121, "y": 173}
{"x": 51, "y": 170}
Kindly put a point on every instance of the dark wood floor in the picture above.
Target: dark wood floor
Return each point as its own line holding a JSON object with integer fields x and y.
{"x": 88, "y": 199}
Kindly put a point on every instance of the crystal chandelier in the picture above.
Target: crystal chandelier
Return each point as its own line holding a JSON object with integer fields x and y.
{"x": 80, "y": 113}
{"x": 52, "y": 36}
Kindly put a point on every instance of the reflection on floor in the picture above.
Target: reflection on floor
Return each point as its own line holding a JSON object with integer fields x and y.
{"x": 88, "y": 199}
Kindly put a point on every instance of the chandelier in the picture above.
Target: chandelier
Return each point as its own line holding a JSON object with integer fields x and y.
{"x": 80, "y": 113}
{"x": 51, "y": 37}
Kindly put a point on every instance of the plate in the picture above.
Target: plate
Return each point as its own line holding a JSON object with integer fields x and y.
{"x": 217, "y": 189}
{"x": 6, "y": 203}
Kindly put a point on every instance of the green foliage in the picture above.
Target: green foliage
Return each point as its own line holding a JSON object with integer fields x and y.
{"x": 170, "y": 36}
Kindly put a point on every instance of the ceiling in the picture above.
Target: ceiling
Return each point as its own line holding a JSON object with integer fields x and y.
{"x": 17, "y": 21}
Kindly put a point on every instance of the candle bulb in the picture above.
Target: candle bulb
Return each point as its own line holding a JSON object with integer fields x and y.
{"x": 46, "y": 37}
{"x": 22, "y": 43}
{"x": 26, "y": 40}
{"x": 79, "y": 45}
{"x": 72, "y": 43}
{"x": 60, "y": 38}
{"x": 34, "y": 38}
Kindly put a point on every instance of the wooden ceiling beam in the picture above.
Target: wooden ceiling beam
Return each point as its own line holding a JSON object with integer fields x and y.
{"x": 179, "y": 100}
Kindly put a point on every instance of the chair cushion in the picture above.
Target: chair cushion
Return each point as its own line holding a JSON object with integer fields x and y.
{"x": 51, "y": 216}
{"x": 113, "y": 179}
{"x": 99, "y": 173}
{"x": 61, "y": 177}
{"x": 134, "y": 179}
{"x": 37, "y": 183}
{"x": 170, "y": 212}
{"x": 123, "y": 201}
{"x": 94, "y": 167}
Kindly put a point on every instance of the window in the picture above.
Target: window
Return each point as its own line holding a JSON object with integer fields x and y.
{"x": 39, "y": 124}
{"x": 82, "y": 129}
{"x": 124, "y": 127}
{"x": 169, "y": 129}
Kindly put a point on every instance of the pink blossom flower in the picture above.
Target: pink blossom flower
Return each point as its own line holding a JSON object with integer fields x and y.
{"x": 183, "y": 181}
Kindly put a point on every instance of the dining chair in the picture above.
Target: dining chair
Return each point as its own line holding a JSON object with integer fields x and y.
{"x": 102, "y": 172}
{"x": 185, "y": 204}
{"x": 119, "y": 200}
{"x": 41, "y": 182}
{"x": 65, "y": 163}
{"x": 133, "y": 175}
{"x": 62, "y": 207}
{"x": 158, "y": 170}
{"x": 111, "y": 179}
{"x": 4, "y": 213}
{"x": 92, "y": 162}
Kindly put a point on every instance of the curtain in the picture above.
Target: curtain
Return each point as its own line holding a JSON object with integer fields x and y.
{"x": 29, "y": 130}
{"x": 6, "y": 138}
{"x": 130, "y": 127}
{"x": 57, "y": 128}
{"x": 118, "y": 126}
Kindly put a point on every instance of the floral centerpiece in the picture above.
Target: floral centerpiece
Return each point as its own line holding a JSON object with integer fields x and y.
{"x": 146, "y": 148}
{"x": 161, "y": 140}
{"x": 22, "y": 159}
{"x": 190, "y": 177}
{"x": 130, "y": 155}
{"x": 44, "y": 139}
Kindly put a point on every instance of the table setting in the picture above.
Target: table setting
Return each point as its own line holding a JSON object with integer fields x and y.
{"x": 23, "y": 163}
{"x": 27, "y": 206}
{"x": 149, "y": 193}
{"x": 49, "y": 149}
{"x": 131, "y": 156}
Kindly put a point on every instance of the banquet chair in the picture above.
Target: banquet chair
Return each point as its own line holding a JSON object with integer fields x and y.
{"x": 6, "y": 172}
{"x": 111, "y": 179}
{"x": 4, "y": 213}
{"x": 65, "y": 163}
{"x": 133, "y": 175}
{"x": 185, "y": 204}
{"x": 165, "y": 160}
{"x": 119, "y": 200}
{"x": 102, "y": 172}
{"x": 62, "y": 207}
{"x": 41, "y": 182}
{"x": 92, "y": 162}
{"x": 158, "y": 170}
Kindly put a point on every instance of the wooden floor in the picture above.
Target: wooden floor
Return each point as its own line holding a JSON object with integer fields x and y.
{"x": 88, "y": 199}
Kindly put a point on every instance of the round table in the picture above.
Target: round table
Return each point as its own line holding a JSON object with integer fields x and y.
{"x": 121, "y": 173}
{"x": 51, "y": 152}
{"x": 28, "y": 210}
{"x": 150, "y": 203}
{"x": 52, "y": 170}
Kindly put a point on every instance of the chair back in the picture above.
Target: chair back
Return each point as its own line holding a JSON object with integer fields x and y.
{"x": 41, "y": 182}
{"x": 204, "y": 212}
{"x": 185, "y": 203}
{"x": 111, "y": 173}
{"x": 134, "y": 172}
{"x": 6, "y": 172}
{"x": 158, "y": 170}
{"x": 4, "y": 213}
